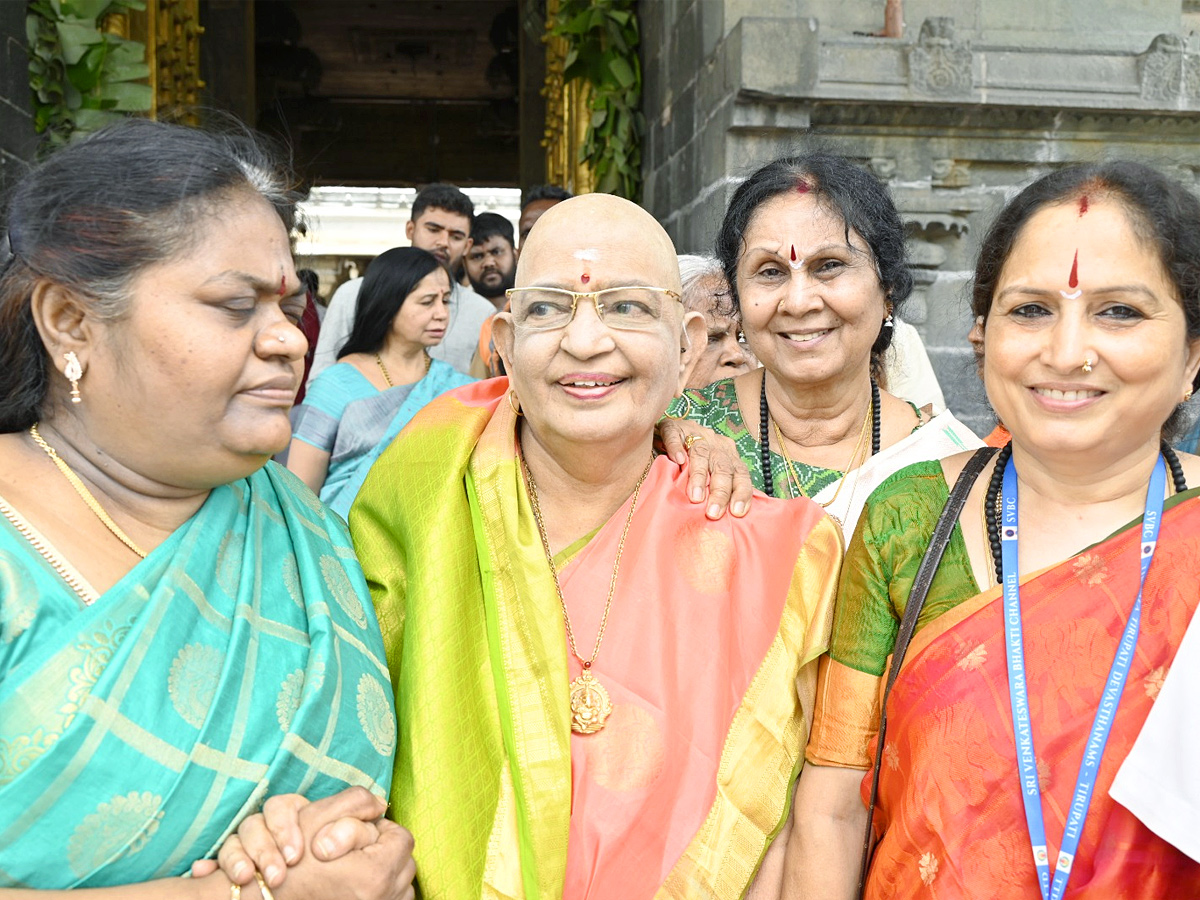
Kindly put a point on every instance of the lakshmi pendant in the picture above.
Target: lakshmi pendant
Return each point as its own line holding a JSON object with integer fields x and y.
{"x": 590, "y": 706}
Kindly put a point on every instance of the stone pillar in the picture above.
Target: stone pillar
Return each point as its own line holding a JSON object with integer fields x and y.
{"x": 954, "y": 116}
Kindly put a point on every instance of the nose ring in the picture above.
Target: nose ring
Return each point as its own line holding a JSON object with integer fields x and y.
{"x": 283, "y": 340}
{"x": 781, "y": 302}
{"x": 1087, "y": 364}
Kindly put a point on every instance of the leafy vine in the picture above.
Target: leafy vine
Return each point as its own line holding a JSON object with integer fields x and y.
{"x": 81, "y": 76}
{"x": 602, "y": 39}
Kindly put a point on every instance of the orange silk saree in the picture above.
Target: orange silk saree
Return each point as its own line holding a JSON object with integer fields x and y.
{"x": 950, "y": 810}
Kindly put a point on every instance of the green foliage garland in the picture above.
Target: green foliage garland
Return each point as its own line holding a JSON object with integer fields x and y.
{"x": 602, "y": 39}
{"x": 82, "y": 78}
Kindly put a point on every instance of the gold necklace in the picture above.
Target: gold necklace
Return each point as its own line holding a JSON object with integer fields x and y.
{"x": 72, "y": 578}
{"x": 590, "y": 704}
{"x": 81, "y": 489}
{"x": 790, "y": 467}
{"x": 388, "y": 378}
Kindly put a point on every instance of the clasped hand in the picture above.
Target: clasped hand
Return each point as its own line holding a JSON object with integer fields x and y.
{"x": 337, "y": 847}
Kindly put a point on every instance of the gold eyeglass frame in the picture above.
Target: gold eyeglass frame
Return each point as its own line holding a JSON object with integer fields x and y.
{"x": 594, "y": 296}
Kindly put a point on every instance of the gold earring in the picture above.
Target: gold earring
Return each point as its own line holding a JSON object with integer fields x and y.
{"x": 73, "y": 372}
{"x": 513, "y": 403}
{"x": 1087, "y": 364}
{"x": 1187, "y": 395}
{"x": 887, "y": 322}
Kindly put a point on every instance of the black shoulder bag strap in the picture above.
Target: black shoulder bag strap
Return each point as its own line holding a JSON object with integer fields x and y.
{"x": 908, "y": 624}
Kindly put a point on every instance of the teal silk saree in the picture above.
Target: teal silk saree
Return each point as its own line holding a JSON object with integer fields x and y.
{"x": 240, "y": 659}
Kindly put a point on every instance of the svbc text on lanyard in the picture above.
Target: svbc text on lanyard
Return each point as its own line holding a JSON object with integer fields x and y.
{"x": 1019, "y": 692}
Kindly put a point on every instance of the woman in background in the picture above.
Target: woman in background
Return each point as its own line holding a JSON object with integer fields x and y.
{"x": 383, "y": 376}
{"x": 706, "y": 291}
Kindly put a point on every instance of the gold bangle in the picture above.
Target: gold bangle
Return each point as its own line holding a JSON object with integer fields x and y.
{"x": 235, "y": 891}
{"x": 687, "y": 408}
{"x": 262, "y": 886}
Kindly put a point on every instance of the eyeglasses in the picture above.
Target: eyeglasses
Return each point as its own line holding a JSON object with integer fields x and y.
{"x": 627, "y": 308}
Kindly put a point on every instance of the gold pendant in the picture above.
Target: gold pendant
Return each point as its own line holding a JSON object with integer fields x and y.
{"x": 590, "y": 706}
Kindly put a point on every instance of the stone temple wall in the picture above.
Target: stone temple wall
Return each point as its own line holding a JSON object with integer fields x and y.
{"x": 973, "y": 102}
{"x": 17, "y": 138}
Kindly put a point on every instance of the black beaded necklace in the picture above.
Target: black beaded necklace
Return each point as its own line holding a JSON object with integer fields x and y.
{"x": 764, "y": 432}
{"x": 991, "y": 502}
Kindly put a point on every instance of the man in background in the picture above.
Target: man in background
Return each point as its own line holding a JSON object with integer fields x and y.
{"x": 487, "y": 363}
{"x": 441, "y": 224}
{"x": 492, "y": 260}
{"x": 537, "y": 201}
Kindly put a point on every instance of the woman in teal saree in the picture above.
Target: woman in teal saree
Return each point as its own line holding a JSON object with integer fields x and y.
{"x": 383, "y": 377}
{"x": 184, "y": 632}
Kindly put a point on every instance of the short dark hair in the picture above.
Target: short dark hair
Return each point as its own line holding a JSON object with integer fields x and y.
{"x": 310, "y": 279}
{"x": 390, "y": 278}
{"x": 845, "y": 188}
{"x": 1161, "y": 211}
{"x": 98, "y": 212}
{"x": 486, "y": 226}
{"x": 545, "y": 192}
{"x": 442, "y": 196}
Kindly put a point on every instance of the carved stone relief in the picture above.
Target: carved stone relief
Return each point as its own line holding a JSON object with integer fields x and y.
{"x": 950, "y": 173}
{"x": 883, "y": 167}
{"x": 1169, "y": 71}
{"x": 939, "y": 63}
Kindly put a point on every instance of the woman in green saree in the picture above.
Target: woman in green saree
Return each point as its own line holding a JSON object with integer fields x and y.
{"x": 184, "y": 630}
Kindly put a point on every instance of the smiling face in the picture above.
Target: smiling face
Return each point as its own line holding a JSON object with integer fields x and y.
{"x": 425, "y": 313}
{"x": 1121, "y": 313}
{"x": 443, "y": 233}
{"x": 193, "y": 386}
{"x": 811, "y": 302}
{"x": 588, "y": 383}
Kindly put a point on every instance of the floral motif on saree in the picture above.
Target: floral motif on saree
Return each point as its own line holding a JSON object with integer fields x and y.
{"x": 239, "y": 659}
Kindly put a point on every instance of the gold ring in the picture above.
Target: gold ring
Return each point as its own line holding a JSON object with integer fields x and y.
{"x": 691, "y": 439}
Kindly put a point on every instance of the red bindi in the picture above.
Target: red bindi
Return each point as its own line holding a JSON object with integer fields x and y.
{"x": 585, "y": 278}
{"x": 1073, "y": 280}
{"x": 793, "y": 252}
{"x": 1083, "y": 206}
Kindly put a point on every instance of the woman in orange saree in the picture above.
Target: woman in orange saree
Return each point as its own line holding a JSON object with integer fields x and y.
{"x": 1088, "y": 334}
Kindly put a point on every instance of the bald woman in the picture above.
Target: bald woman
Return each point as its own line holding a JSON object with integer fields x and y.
{"x": 601, "y": 692}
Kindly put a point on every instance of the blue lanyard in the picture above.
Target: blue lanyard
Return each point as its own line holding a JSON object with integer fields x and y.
{"x": 1019, "y": 693}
